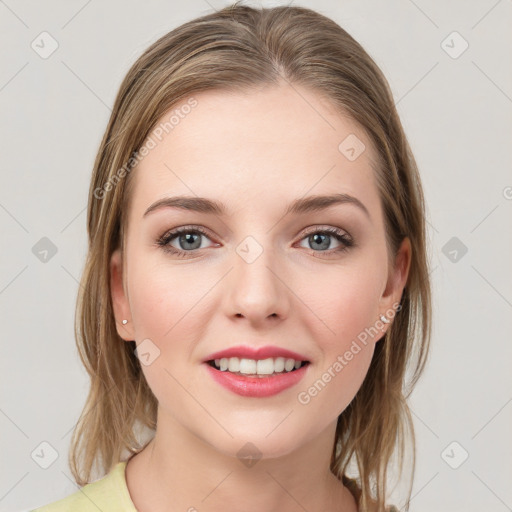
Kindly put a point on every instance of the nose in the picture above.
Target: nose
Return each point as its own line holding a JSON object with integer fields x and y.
{"x": 257, "y": 288}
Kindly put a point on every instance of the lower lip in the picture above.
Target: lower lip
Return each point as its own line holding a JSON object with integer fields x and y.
{"x": 257, "y": 386}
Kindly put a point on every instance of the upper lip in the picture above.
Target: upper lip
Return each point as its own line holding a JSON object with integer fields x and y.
{"x": 248, "y": 352}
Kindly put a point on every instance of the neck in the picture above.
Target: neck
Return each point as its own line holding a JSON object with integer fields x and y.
{"x": 179, "y": 470}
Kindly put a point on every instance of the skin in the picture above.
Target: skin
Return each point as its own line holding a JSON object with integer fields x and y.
{"x": 270, "y": 146}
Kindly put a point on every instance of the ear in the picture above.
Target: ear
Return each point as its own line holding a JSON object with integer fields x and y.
{"x": 397, "y": 279}
{"x": 119, "y": 298}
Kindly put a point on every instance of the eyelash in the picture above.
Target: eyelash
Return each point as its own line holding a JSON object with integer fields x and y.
{"x": 346, "y": 241}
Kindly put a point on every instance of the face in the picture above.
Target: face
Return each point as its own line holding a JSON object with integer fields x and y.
{"x": 309, "y": 281}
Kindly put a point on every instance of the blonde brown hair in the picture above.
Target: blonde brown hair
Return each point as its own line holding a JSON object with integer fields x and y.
{"x": 237, "y": 48}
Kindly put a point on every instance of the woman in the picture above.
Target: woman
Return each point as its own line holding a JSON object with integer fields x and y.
{"x": 257, "y": 281}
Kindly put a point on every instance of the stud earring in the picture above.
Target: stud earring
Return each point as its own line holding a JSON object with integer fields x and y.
{"x": 125, "y": 322}
{"x": 384, "y": 319}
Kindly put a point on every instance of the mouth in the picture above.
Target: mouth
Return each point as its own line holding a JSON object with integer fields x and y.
{"x": 257, "y": 368}
{"x": 257, "y": 378}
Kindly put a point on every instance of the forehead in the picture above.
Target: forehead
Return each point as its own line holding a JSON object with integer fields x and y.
{"x": 270, "y": 145}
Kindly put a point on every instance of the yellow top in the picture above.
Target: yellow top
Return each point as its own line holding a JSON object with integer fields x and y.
{"x": 111, "y": 494}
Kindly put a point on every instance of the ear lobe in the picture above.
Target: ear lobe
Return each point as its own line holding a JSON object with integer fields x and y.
{"x": 119, "y": 299}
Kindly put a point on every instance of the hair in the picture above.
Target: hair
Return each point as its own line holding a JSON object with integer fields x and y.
{"x": 239, "y": 48}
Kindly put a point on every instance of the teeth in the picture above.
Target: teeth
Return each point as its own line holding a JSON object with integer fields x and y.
{"x": 247, "y": 366}
{"x": 279, "y": 364}
{"x": 257, "y": 367}
{"x": 234, "y": 364}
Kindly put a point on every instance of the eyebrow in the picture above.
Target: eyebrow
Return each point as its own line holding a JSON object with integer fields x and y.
{"x": 299, "y": 206}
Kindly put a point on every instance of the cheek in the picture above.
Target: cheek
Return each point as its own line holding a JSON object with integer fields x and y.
{"x": 172, "y": 309}
{"x": 167, "y": 310}
{"x": 348, "y": 310}
{"x": 342, "y": 312}
{"x": 347, "y": 303}
{"x": 164, "y": 302}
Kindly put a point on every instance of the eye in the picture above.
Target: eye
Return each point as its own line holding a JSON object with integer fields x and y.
{"x": 321, "y": 239}
{"x": 188, "y": 239}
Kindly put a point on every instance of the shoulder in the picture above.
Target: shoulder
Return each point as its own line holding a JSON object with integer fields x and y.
{"x": 108, "y": 493}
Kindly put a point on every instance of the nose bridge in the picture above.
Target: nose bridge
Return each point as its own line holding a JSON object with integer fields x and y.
{"x": 257, "y": 291}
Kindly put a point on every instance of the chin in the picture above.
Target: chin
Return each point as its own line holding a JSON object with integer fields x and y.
{"x": 258, "y": 442}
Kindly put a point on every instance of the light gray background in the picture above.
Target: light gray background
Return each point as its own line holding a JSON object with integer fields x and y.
{"x": 457, "y": 114}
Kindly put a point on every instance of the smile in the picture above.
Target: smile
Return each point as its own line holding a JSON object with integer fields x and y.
{"x": 257, "y": 378}
{"x": 254, "y": 367}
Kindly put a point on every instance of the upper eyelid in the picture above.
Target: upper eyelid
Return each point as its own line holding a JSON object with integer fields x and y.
{"x": 324, "y": 228}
